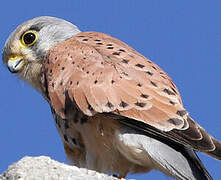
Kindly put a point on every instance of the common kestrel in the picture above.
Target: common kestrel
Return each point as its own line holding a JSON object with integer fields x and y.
{"x": 115, "y": 110}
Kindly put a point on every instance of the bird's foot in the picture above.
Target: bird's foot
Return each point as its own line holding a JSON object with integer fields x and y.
{"x": 119, "y": 176}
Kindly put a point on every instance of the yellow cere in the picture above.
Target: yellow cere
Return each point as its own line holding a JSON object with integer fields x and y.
{"x": 14, "y": 58}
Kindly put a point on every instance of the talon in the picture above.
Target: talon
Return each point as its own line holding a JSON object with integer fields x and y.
{"x": 120, "y": 176}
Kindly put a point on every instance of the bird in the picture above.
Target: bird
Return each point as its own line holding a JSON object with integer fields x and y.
{"x": 116, "y": 111}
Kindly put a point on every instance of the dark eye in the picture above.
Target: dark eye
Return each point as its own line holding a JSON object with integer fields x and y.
{"x": 29, "y": 38}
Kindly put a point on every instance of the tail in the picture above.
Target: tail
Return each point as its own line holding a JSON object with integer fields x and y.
{"x": 198, "y": 169}
{"x": 216, "y": 153}
{"x": 206, "y": 144}
{"x": 172, "y": 158}
{"x": 197, "y": 138}
{"x": 178, "y": 161}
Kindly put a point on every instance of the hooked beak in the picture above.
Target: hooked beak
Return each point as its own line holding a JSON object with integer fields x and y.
{"x": 15, "y": 64}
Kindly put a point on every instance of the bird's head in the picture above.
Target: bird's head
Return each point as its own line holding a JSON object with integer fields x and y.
{"x": 29, "y": 43}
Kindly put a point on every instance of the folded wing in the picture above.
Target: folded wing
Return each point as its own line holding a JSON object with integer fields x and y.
{"x": 103, "y": 75}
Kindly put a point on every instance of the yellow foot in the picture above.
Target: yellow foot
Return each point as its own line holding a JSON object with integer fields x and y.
{"x": 121, "y": 176}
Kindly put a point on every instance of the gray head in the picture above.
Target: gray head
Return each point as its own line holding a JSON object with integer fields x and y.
{"x": 29, "y": 43}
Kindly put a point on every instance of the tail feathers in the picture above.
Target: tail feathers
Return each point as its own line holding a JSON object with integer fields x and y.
{"x": 199, "y": 171}
{"x": 172, "y": 158}
{"x": 180, "y": 162}
{"x": 216, "y": 153}
{"x": 199, "y": 139}
{"x": 208, "y": 144}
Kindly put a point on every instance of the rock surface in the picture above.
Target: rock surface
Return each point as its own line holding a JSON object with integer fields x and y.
{"x": 44, "y": 168}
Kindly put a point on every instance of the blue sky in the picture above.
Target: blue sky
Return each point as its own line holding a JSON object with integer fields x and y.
{"x": 182, "y": 37}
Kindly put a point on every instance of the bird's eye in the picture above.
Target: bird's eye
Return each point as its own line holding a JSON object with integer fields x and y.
{"x": 29, "y": 38}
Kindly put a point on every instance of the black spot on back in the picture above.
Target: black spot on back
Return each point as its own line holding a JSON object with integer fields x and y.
{"x": 150, "y": 73}
{"x": 140, "y": 65}
{"x": 139, "y": 84}
{"x": 153, "y": 83}
{"x": 171, "y": 102}
{"x": 173, "y": 90}
{"x": 140, "y": 104}
{"x": 109, "y": 105}
{"x": 175, "y": 121}
{"x": 123, "y": 104}
{"x": 181, "y": 112}
{"x": 122, "y": 50}
{"x": 154, "y": 67}
{"x": 144, "y": 96}
{"x": 124, "y": 73}
{"x": 125, "y": 61}
{"x": 116, "y": 53}
{"x": 168, "y": 91}
{"x": 163, "y": 77}
{"x": 90, "y": 107}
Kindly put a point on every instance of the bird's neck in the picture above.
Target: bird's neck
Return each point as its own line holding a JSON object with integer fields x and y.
{"x": 32, "y": 75}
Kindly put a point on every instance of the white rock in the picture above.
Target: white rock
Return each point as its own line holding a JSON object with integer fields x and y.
{"x": 44, "y": 168}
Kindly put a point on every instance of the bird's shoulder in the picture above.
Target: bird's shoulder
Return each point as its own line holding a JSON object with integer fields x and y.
{"x": 103, "y": 74}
